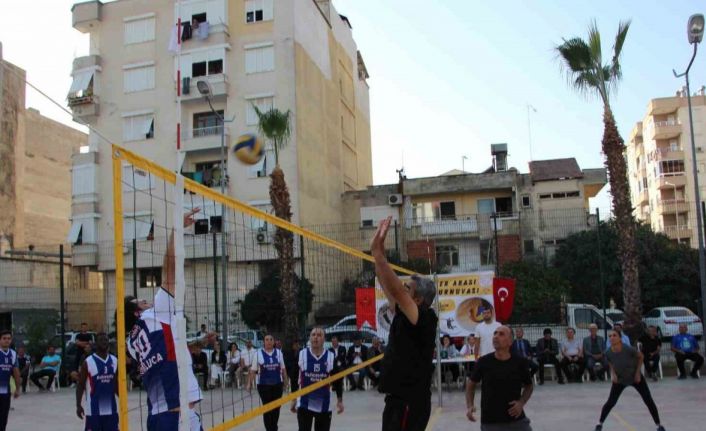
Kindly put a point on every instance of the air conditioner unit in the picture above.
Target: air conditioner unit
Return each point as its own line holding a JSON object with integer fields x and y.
{"x": 262, "y": 237}
{"x": 394, "y": 199}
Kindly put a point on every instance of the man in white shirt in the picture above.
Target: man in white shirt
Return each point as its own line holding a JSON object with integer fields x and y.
{"x": 572, "y": 353}
{"x": 484, "y": 333}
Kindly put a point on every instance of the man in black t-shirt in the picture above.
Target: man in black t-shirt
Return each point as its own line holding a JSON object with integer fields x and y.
{"x": 506, "y": 387}
{"x": 407, "y": 365}
{"x": 650, "y": 345}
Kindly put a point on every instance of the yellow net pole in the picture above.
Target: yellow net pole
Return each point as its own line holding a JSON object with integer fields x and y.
{"x": 119, "y": 287}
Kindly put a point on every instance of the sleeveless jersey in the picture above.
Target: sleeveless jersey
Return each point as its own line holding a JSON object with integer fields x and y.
{"x": 312, "y": 370}
{"x": 151, "y": 343}
{"x": 269, "y": 367}
{"x": 100, "y": 386}
{"x": 8, "y": 362}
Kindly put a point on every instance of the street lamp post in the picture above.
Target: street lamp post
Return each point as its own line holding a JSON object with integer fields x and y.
{"x": 205, "y": 89}
{"x": 695, "y": 33}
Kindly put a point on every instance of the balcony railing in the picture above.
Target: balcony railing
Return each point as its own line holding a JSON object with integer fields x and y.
{"x": 666, "y": 123}
{"x": 201, "y": 132}
{"x": 448, "y": 226}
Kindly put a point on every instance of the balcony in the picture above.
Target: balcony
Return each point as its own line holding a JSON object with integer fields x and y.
{"x": 669, "y": 181}
{"x": 85, "y": 107}
{"x": 219, "y": 88}
{"x": 665, "y": 105}
{"x": 666, "y": 129}
{"x": 210, "y": 177}
{"x": 218, "y": 34}
{"x": 668, "y": 153}
{"x": 672, "y": 206}
{"x": 643, "y": 197}
{"x": 449, "y": 227}
{"x": 203, "y": 138}
{"x": 677, "y": 231}
{"x": 84, "y": 255}
{"x": 86, "y": 16}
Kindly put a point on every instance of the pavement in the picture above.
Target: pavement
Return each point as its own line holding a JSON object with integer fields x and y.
{"x": 552, "y": 407}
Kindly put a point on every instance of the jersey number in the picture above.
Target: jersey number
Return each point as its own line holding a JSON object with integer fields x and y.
{"x": 141, "y": 344}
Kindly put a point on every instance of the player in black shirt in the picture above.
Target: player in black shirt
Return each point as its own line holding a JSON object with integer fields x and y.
{"x": 407, "y": 365}
{"x": 507, "y": 386}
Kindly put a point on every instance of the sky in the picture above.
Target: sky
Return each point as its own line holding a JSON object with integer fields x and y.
{"x": 447, "y": 77}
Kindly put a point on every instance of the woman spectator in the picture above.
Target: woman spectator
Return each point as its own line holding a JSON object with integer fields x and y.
{"x": 448, "y": 351}
{"x": 233, "y": 362}
{"x": 218, "y": 364}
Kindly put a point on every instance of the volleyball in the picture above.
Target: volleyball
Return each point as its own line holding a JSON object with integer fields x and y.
{"x": 249, "y": 149}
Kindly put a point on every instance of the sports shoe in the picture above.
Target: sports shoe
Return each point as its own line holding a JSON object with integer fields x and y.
{"x": 694, "y": 376}
{"x": 660, "y": 428}
{"x": 682, "y": 377}
{"x": 598, "y": 427}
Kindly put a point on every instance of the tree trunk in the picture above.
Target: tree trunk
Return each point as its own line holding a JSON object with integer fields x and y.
{"x": 284, "y": 245}
{"x": 614, "y": 148}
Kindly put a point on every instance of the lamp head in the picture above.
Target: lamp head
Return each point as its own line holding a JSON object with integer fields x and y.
{"x": 695, "y": 28}
{"x": 204, "y": 88}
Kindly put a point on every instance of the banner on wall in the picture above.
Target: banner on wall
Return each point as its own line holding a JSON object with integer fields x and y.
{"x": 365, "y": 307}
{"x": 462, "y": 299}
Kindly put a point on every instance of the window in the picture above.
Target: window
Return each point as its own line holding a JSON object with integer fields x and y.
{"x": 486, "y": 206}
{"x": 138, "y": 78}
{"x": 367, "y": 223}
{"x": 201, "y": 227}
{"x": 447, "y": 210}
{"x": 671, "y": 167}
{"x": 216, "y": 223}
{"x": 264, "y": 104}
{"x": 259, "y": 59}
{"x": 82, "y": 85}
{"x": 138, "y": 29}
{"x": 561, "y": 195}
{"x": 526, "y": 201}
{"x": 503, "y": 205}
{"x": 207, "y": 124}
{"x": 150, "y": 277}
{"x": 679, "y": 313}
{"x": 137, "y": 226}
{"x": 206, "y": 173}
{"x": 653, "y": 313}
{"x": 447, "y": 255}
{"x": 199, "y": 69}
{"x": 264, "y": 167}
{"x": 215, "y": 67}
{"x": 487, "y": 252}
{"x": 138, "y": 127}
{"x": 76, "y": 233}
{"x": 199, "y": 17}
{"x": 529, "y": 246}
{"x": 258, "y": 10}
{"x": 545, "y": 196}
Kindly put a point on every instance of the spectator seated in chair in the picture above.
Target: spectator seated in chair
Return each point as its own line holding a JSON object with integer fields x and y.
{"x": 685, "y": 347}
{"x": 594, "y": 354}
{"x": 547, "y": 349}
{"x": 24, "y": 362}
{"x": 233, "y": 359}
{"x": 49, "y": 367}
{"x": 448, "y": 351}
{"x": 469, "y": 349}
{"x": 356, "y": 355}
{"x": 650, "y": 345}
{"x": 522, "y": 348}
{"x": 218, "y": 365}
{"x": 572, "y": 362}
{"x": 199, "y": 361}
{"x": 375, "y": 368}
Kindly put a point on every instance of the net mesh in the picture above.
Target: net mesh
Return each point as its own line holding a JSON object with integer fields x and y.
{"x": 231, "y": 278}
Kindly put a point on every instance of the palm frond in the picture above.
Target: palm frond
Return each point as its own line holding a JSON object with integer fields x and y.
{"x": 623, "y": 27}
{"x": 576, "y": 55}
{"x": 275, "y": 125}
{"x": 594, "y": 43}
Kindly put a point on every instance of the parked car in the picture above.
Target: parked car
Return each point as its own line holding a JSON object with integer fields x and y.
{"x": 667, "y": 320}
{"x": 615, "y": 314}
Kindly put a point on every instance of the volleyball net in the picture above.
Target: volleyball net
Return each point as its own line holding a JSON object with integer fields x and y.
{"x": 227, "y": 279}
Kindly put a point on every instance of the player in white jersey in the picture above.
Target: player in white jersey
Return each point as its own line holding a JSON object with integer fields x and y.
{"x": 151, "y": 342}
{"x": 99, "y": 373}
{"x": 316, "y": 364}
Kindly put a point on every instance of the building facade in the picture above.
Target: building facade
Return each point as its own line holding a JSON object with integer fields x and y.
{"x": 467, "y": 222}
{"x": 296, "y": 55}
{"x": 659, "y": 160}
{"x": 35, "y": 167}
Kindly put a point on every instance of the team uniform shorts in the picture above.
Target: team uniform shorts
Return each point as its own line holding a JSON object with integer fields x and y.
{"x": 169, "y": 421}
{"x": 102, "y": 423}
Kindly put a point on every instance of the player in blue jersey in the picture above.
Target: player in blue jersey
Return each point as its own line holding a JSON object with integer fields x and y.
{"x": 151, "y": 342}
{"x": 99, "y": 373}
{"x": 316, "y": 364}
{"x": 8, "y": 369}
{"x": 269, "y": 372}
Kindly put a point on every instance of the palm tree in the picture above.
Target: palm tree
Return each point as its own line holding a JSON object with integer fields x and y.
{"x": 589, "y": 75}
{"x": 275, "y": 126}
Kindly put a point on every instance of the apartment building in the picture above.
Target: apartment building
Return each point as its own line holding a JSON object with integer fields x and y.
{"x": 470, "y": 221}
{"x": 35, "y": 167}
{"x": 296, "y": 55}
{"x": 659, "y": 161}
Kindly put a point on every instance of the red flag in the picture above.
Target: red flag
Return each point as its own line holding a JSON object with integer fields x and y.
{"x": 365, "y": 307}
{"x": 504, "y": 297}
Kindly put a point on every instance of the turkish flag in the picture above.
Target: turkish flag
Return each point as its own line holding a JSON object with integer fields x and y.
{"x": 365, "y": 307}
{"x": 504, "y": 297}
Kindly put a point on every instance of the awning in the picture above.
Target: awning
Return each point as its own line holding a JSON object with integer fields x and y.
{"x": 138, "y": 229}
{"x": 75, "y": 232}
{"x": 82, "y": 80}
